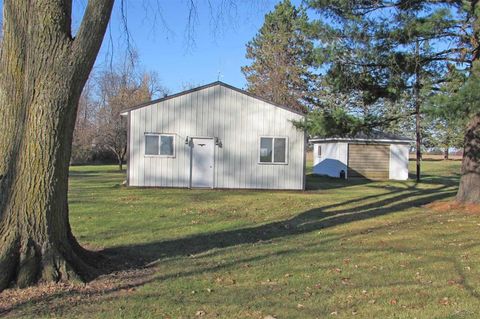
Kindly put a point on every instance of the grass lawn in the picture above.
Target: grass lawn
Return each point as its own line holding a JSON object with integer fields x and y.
{"x": 342, "y": 249}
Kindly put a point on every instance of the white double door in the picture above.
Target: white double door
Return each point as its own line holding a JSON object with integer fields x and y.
{"x": 202, "y": 162}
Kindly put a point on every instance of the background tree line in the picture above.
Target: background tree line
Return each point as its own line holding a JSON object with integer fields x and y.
{"x": 358, "y": 75}
{"x": 354, "y": 73}
{"x": 100, "y": 131}
{"x": 406, "y": 67}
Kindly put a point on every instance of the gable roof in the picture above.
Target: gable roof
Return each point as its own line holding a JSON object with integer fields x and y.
{"x": 374, "y": 136}
{"x": 220, "y": 83}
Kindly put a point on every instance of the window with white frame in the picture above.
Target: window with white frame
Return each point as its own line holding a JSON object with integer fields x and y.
{"x": 160, "y": 144}
{"x": 273, "y": 150}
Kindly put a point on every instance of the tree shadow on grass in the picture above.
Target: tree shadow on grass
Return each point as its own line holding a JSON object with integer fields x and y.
{"x": 93, "y": 173}
{"x": 317, "y": 182}
{"x": 130, "y": 260}
{"x": 396, "y": 200}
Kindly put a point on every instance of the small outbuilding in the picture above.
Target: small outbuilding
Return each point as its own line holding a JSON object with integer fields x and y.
{"x": 375, "y": 156}
{"x": 215, "y": 136}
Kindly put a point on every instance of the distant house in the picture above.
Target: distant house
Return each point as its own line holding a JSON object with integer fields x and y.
{"x": 375, "y": 156}
{"x": 215, "y": 136}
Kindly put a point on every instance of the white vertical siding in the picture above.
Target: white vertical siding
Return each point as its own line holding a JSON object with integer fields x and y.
{"x": 342, "y": 156}
{"x": 237, "y": 119}
{"x": 333, "y": 160}
{"x": 399, "y": 161}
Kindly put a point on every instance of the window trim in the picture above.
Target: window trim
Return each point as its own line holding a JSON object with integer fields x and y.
{"x": 273, "y": 137}
{"x": 159, "y": 144}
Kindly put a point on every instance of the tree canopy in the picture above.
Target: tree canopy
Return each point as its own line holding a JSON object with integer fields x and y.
{"x": 401, "y": 53}
{"x": 377, "y": 50}
{"x": 282, "y": 59}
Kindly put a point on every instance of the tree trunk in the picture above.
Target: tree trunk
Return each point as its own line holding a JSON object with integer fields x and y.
{"x": 469, "y": 190}
{"x": 122, "y": 155}
{"x": 418, "y": 144}
{"x": 445, "y": 153}
{"x": 120, "y": 163}
{"x": 42, "y": 73}
{"x": 418, "y": 137}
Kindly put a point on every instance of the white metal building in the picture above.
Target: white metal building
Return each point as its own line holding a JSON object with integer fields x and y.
{"x": 215, "y": 136}
{"x": 375, "y": 156}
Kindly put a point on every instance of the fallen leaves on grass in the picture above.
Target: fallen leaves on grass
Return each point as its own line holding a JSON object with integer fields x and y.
{"x": 457, "y": 281}
{"x": 337, "y": 270}
{"x": 269, "y": 282}
{"x": 225, "y": 281}
{"x": 50, "y": 297}
{"x": 346, "y": 281}
{"x": 444, "y": 301}
{"x": 200, "y": 313}
{"x": 448, "y": 206}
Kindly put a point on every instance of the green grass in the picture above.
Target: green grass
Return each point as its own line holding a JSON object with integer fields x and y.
{"x": 342, "y": 249}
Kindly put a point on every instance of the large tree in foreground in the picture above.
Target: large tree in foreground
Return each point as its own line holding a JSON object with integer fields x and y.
{"x": 43, "y": 69}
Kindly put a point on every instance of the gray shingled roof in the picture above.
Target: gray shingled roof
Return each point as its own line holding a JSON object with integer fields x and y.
{"x": 374, "y": 136}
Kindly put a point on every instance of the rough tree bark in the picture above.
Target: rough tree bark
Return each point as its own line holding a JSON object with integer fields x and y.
{"x": 42, "y": 72}
{"x": 469, "y": 190}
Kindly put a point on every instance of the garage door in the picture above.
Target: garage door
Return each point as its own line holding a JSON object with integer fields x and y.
{"x": 368, "y": 161}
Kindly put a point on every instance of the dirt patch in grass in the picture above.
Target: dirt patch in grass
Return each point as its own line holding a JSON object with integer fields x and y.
{"x": 449, "y": 206}
{"x": 53, "y": 297}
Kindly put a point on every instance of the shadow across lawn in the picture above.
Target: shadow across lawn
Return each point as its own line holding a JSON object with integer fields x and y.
{"x": 451, "y": 180}
{"x": 92, "y": 173}
{"x": 140, "y": 256}
{"x": 316, "y": 182}
{"x": 367, "y": 207}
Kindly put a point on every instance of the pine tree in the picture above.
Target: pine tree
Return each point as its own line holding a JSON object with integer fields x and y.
{"x": 445, "y": 129}
{"x": 383, "y": 50}
{"x": 281, "y": 55}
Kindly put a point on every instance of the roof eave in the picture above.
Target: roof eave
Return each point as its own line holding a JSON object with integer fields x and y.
{"x": 125, "y": 111}
{"x": 344, "y": 139}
